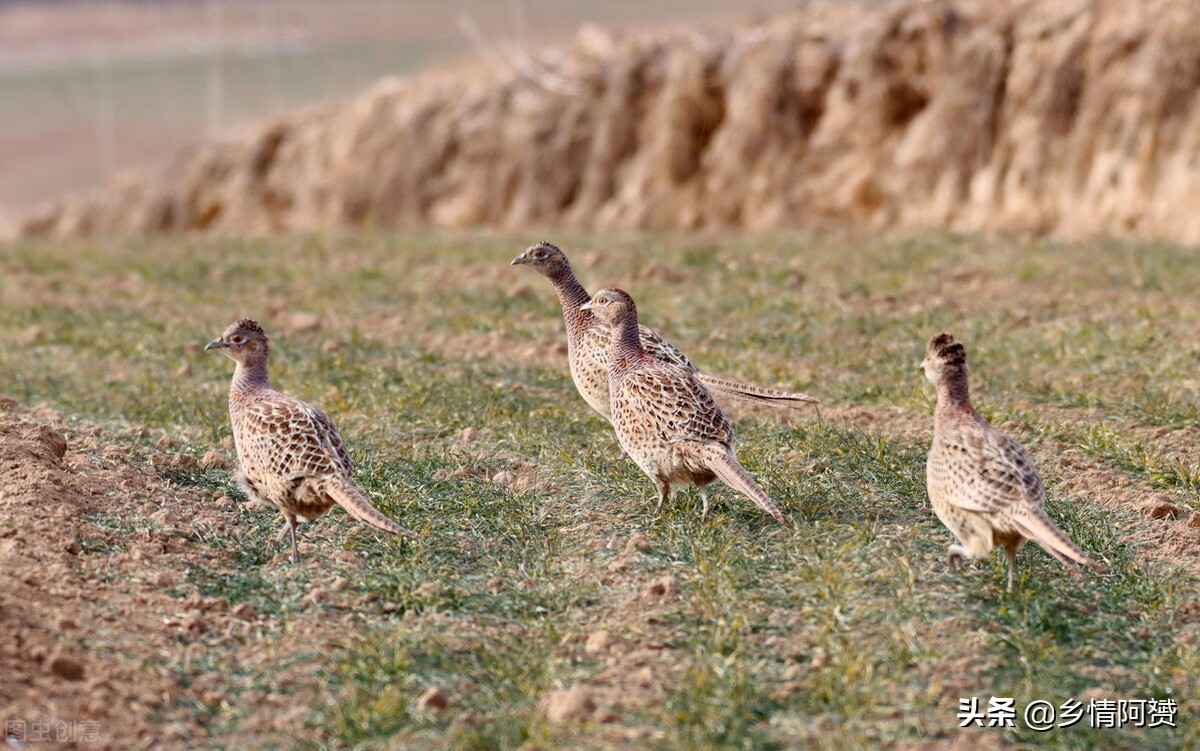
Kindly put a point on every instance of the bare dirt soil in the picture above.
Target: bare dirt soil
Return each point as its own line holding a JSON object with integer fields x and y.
{"x": 95, "y": 550}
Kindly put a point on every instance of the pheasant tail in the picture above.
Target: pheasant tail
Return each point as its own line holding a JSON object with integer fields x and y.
{"x": 1038, "y": 527}
{"x": 722, "y": 462}
{"x": 755, "y": 394}
{"x": 343, "y": 492}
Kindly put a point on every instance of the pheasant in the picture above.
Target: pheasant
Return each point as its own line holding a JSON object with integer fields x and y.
{"x": 982, "y": 484}
{"x": 290, "y": 453}
{"x": 665, "y": 418}
{"x": 588, "y": 337}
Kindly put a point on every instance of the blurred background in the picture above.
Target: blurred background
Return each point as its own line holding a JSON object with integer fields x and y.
{"x": 90, "y": 86}
{"x": 1072, "y": 119}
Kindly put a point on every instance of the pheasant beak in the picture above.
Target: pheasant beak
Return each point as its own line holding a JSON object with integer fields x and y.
{"x": 215, "y": 344}
{"x": 586, "y": 306}
{"x": 519, "y": 260}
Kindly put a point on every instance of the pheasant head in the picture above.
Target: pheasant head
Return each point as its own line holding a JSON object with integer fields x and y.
{"x": 545, "y": 258}
{"x": 243, "y": 341}
{"x": 611, "y": 305}
{"x": 945, "y": 359}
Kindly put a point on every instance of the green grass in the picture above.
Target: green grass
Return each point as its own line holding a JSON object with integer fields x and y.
{"x": 845, "y": 632}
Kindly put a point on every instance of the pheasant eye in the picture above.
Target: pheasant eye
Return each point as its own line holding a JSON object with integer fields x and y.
{"x": 237, "y": 339}
{"x": 539, "y": 254}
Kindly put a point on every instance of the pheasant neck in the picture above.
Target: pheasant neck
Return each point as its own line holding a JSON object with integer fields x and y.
{"x": 625, "y": 346}
{"x": 249, "y": 376}
{"x": 953, "y": 396}
{"x": 571, "y": 295}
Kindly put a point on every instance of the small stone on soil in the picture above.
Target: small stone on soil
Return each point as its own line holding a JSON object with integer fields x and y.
{"x": 65, "y": 667}
{"x": 600, "y": 642}
{"x": 433, "y": 700}
{"x": 637, "y": 541}
{"x": 662, "y": 587}
{"x": 568, "y": 705}
{"x": 214, "y": 459}
{"x": 1155, "y": 509}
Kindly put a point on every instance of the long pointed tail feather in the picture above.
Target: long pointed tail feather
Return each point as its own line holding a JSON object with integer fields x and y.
{"x": 755, "y": 394}
{"x": 343, "y": 492}
{"x": 1038, "y": 527}
{"x": 723, "y": 463}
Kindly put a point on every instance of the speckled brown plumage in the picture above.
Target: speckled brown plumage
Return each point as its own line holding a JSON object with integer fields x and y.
{"x": 664, "y": 417}
{"x": 290, "y": 453}
{"x": 588, "y": 338}
{"x": 982, "y": 484}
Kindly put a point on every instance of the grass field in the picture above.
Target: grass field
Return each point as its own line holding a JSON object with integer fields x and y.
{"x": 445, "y": 370}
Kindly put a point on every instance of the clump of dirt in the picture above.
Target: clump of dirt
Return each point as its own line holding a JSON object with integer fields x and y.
{"x": 1072, "y": 118}
{"x": 568, "y": 705}
{"x": 50, "y": 607}
{"x": 102, "y": 639}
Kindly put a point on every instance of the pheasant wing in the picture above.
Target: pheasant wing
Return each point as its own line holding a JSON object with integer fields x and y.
{"x": 660, "y": 349}
{"x": 678, "y": 406}
{"x": 290, "y": 438}
{"x": 996, "y": 472}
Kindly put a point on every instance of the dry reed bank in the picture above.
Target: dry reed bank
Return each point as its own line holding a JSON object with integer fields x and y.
{"x": 1073, "y": 119}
